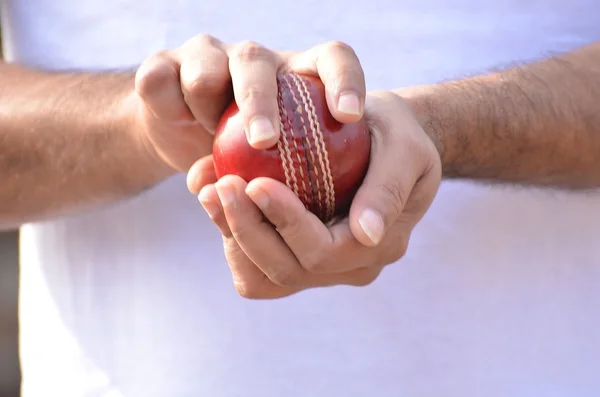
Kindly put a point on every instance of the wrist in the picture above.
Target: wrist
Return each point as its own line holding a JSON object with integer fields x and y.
{"x": 421, "y": 100}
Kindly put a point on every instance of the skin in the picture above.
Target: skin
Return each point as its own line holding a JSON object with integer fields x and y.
{"x": 276, "y": 248}
{"x": 535, "y": 125}
{"x": 66, "y": 149}
{"x": 57, "y": 155}
{"x": 74, "y": 141}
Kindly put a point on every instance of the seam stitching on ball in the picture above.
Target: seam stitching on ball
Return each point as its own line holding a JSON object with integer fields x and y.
{"x": 322, "y": 152}
{"x": 282, "y": 146}
{"x": 293, "y": 137}
{"x": 298, "y": 103}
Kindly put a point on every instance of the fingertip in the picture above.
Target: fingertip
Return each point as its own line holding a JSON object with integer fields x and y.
{"x": 261, "y": 183}
{"x": 253, "y": 71}
{"x": 271, "y": 187}
{"x": 350, "y": 104}
{"x": 209, "y": 200}
{"x": 258, "y": 195}
{"x": 262, "y": 133}
{"x": 207, "y": 192}
{"x": 254, "y": 185}
{"x": 273, "y": 195}
{"x": 191, "y": 179}
{"x": 372, "y": 226}
{"x": 230, "y": 188}
{"x": 232, "y": 180}
{"x": 347, "y": 107}
{"x": 201, "y": 173}
{"x": 367, "y": 225}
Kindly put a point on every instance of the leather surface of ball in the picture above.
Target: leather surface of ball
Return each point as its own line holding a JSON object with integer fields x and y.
{"x": 320, "y": 159}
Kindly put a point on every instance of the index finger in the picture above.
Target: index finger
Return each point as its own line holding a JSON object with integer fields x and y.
{"x": 317, "y": 248}
{"x": 338, "y": 66}
{"x": 253, "y": 70}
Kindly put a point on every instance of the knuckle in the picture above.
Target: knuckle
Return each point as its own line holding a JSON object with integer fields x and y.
{"x": 314, "y": 261}
{"x": 315, "y": 266}
{"x": 244, "y": 230}
{"x": 365, "y": 276}
{"x": 349, "y": 76}
{"x": 339, "y": 46}
{"x": 203, "y": 81}
{"x": 253, "y": 93}
{"x": 395, "y": 195}
{"x": 223, "y": 227}
{"x": 343, "y": 70}
{"x": 249, "y": 51}
{"x": 395, "y": 252}
{"x": 247, "y": 290}
{"x": 285, "y": 277}
{"x": 154, "y": 73}
{"x": 288, "y": 225}
{"x": 207, "y": 40}
{"x": 240, "y": 232}
{"x": 400, "y": 251}
{"x": 232, "y": 251}
{"x": 199, "y": 43}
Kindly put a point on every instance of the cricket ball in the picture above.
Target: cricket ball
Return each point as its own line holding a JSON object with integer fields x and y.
{"x": 320, "y": 159}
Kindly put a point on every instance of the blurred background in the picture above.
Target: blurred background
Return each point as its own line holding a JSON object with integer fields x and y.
{"x": 9, "y": 274}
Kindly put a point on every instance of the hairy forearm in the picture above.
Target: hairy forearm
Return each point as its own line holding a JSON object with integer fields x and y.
{"x": 66, "y": 143}
{"x": 532, "y": 124}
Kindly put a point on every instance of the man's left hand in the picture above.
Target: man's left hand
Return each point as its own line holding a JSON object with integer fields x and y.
{"x": 275, "y": 247}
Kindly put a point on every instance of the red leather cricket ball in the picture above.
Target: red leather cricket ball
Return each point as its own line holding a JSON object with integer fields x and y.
{"x": 320, "y": 159}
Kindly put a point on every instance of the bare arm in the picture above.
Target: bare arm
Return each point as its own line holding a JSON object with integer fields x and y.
{"x": 68, "y": 141}
{"x": 533, "y": 124}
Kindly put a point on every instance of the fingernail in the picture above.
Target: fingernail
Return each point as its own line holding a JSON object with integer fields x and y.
{"x": 211, "y": 208}
{"x": 261, "y": 130}
{"x": 259, "y": 197}
{"x": 226, "y": 194}
{"x": 349, "y": 103}
{"x": 372, "y": 224}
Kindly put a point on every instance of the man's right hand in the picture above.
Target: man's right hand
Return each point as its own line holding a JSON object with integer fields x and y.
{"x": 93, "y": 139}
{"x": 180, "y": 97}
{"x": 181, "y": 94}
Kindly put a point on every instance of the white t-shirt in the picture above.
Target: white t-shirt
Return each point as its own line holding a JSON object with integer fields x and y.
{"x": 499, "y": 294}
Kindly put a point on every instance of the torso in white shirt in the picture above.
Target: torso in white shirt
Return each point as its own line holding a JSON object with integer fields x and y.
{"x": 498, "y": 295}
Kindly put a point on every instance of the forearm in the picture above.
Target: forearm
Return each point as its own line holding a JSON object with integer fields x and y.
{"x": 67, "y": 142}
{"x": 533, "y": 124}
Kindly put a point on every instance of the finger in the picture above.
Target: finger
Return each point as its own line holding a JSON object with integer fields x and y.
{"x": 200, "y": 174}
{"x": 324, "y": 276}
{"x": 209, "y": 199}
{"x": 318, "y": 249}
{"x": 385, "y": 190}
{"x": 253, "y": 71}
{"x": 256, "y": 236}
{"x": 250, "y": 257}
{"x": 157, "y": 83}
{"x": 248, "y": 280}
{"x": 338, "y": 66}
{"x": 204, "y": 78}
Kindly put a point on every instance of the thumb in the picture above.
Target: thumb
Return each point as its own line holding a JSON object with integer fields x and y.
{"x": 385, "y": 191}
